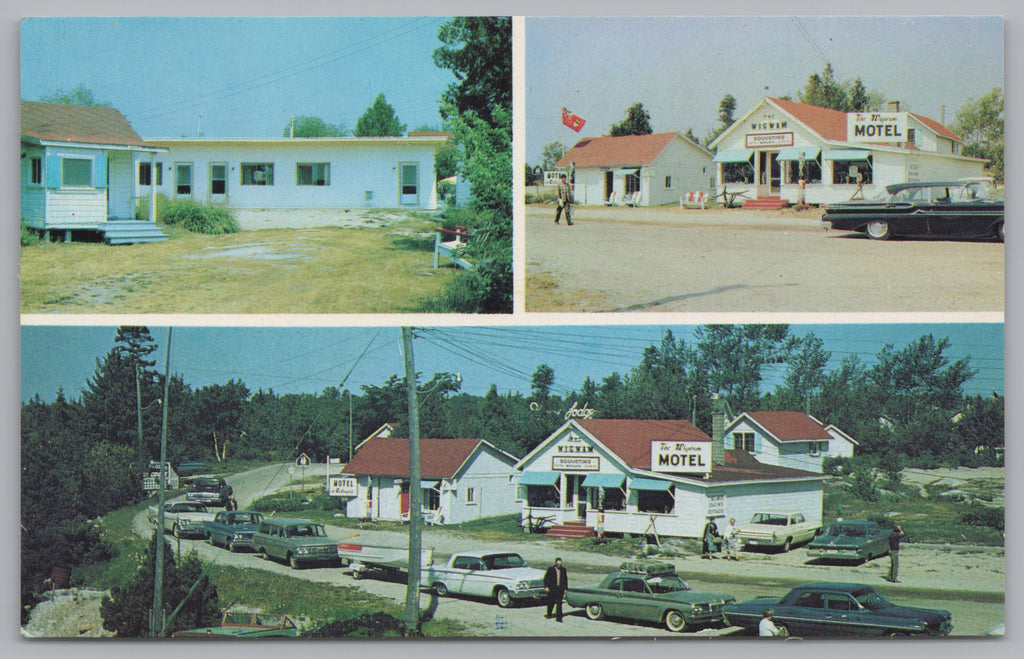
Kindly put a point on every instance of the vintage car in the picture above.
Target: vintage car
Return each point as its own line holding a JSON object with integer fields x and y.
{"x": 182, "y": 518}
{"x": 850, "y": 540}
{"x": 240, "y": 624}
{"x": 233, "y": 529}
{"x": 298, "y": 542}
{"x": 951, "y": 209}
{"x": 500, "y": 575}
{"x": 210, "y": 491}
{"x": 650, "y": 591}
{"x": 778, "y": 530}
{"x": 839, "y": 609}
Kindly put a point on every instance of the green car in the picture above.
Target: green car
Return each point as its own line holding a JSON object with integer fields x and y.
{"x": 298, "y": 542}
{"x": 239, "y": 624}
{"x": 649, "y": 591}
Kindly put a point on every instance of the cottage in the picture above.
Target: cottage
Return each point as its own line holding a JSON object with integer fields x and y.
{"x": 787, "y": 439}
{"x": 765, "y": 155}
{"x": 286, "y": 172}
{"x": 660, "y": 168}
{"x": 461, "y": 480}
{"x": 77, "y": 173}
{"x": 653, "y": 477}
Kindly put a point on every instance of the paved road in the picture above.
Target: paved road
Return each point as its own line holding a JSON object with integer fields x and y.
{"x": 968, "y": 583}
{"x": 666, "y": 259}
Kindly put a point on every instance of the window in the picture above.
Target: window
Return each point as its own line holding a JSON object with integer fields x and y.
{"x": 648, "y": 501}
{"x": 183, "y": 178}
{"x": 846, "y": 172}
{"x": 613, "y": 498}
{"x": 36, "y": 165}
{"x": 542, "y": 496}
{"x": 218, "y": 178}
{"x": 431, "y": 499}
{"x": 817, "y": 448}
{"x": 632, "y": 183}
{"x": 470, "y": 495}
{"x": 259, "y": 173}
{"x": 408, "y": 175}
{"x": 76, "y": 172}
{"x": 743, "y": 441}
{"x": 737, "y": 172}
{"x": 812, "y": 171}
{"x": 145, "y": 173}
{"x": 911, "y": 136}
{"x": 668, "y": 181}
{"x": 313, "y": 173}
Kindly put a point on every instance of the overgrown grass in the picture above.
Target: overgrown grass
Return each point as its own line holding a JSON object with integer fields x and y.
{"x": 29, "y": 237}
{"x": 197, "y": 217}
{"x": 125, "y": 546}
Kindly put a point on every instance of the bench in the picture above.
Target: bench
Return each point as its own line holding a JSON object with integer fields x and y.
{"x": 695, "y": 199}
{"x": 450, "y": 243}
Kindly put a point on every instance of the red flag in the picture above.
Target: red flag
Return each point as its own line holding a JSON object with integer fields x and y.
{"x": 572, "y": 121}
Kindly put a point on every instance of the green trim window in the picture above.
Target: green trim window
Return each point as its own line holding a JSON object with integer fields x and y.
{"x": 183, "y": 179}
{"x": 36, "y": 174}
{"x": 313, "y": 173}
{"x": 218, "y": 178}
{"x": 431, "y": 499}
{"x": 542, "y": 496}
{"x": 743, "y": 441}
{"x": 257, "y": 173}
{"x": 668, "y": 181}
{"x": 76, "y": 172}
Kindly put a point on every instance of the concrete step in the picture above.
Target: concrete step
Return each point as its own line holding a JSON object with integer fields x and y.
{"x": 123, "y": 232}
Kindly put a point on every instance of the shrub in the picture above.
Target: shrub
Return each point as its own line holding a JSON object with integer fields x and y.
{"x": 978, "y": 515}
{"x": 287, "y": 502}
{"x": 196, "y": 217}
{"x": 863, "y": 486}
{"x": 142, "y": 206}
{"x": 29, "y": 237}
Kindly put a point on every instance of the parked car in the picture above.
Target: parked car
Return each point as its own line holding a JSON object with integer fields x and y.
{"x": 298, "y": 542}
{"x": 241, "y": 624}
{"x": 953, "y": 209}
{"x": 182, "y": 518}
{"x": 649, "y": 591}
{"x": 780, "y": 530}
{"x": 839, "y": 609}
{"x": 210, "y": 491}
{"x": 498, "y": 574}
{"x": 233, "y": 529}
{"x": 850, "y": 540}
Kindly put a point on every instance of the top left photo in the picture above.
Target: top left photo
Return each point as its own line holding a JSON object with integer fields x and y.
{"x": 266, "y": 165}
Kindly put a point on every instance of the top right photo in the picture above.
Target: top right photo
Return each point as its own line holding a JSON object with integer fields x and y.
{"x": 764, "y": 164}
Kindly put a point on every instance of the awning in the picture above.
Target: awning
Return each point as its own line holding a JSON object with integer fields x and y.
{"x": 793, "y": 153}
{"x": 539, "y": 478}
{"x": 649, "y": 484}
{"x": 429, "y": 485}
{"x": 733, "y": 155}
{"x": 847, "y": 154}
{"x": 634, "y": 171}
{"x": 604, "y": 480}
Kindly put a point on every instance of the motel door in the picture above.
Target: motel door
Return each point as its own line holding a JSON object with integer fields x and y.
{"x": 575, "y": 495}
{"x": 408, "y": 183}
{"x": 769, "y": 182}
{"x": 218, "y": 182}
{"x": 403, "y": 500}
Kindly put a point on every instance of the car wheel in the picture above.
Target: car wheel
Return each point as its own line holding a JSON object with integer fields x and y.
{"x": 504, "y": 598}
{"x": 999, "y": 232}
{"x": 674, "y": 621}
{"x": 594, "y": 611}
{"x": 293, "y": 561}
{"x": 176, "y": 530}
{"x": 878, "y": 230}
{"x": 786, "y": 546}
{"x": 441, "y": 589}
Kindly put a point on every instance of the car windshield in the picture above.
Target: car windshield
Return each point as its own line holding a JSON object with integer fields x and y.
{"x": 206, "y": 483}
{"x": 502, "y": 561}
{"x": 851, "y": 530}
{"x": 242, "y": 518}
{"x": 671, "y": 583}
{"x": 870, "y": 599}
{"x": 307, "y": 530}
{"x": 188, "y": 508}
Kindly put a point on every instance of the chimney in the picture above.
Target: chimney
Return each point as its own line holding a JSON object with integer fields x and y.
{"x": 717, "y": 431}
{"x": 892, "y": 106}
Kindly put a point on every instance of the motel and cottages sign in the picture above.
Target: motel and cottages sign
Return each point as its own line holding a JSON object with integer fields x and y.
{"x": 681, "y": 457}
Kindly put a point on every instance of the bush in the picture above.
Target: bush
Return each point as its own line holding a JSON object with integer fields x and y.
{"x": 289, "y": 502}
{"x": 196, "y": 217}
{"x": 29, "y": 237}
{"x": 142, "y": 206}
{"x": 863, "y": 486}
{"x": 978, "y": 515}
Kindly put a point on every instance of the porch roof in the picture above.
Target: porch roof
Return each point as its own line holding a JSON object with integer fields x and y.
{"x": 78, "y": 124}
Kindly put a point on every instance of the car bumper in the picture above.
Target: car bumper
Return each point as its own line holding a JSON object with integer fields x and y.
{"x": 528, "y": 593}
{"x": 307, "y": 559}
{"x": 837, "y": 554}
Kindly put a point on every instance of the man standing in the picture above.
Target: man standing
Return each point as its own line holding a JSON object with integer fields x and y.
{"x": 564, "y": 200}
{"x": 894, "y": 553}
{"x": 555, "y": 582}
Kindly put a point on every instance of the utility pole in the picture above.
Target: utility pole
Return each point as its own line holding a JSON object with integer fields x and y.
{"x": 156, "y": 622}
{"x": 139, "y": 455}
{"x": 412, "y": 592}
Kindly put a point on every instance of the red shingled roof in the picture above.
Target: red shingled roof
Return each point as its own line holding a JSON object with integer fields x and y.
{"x": 790, "y": 426}
{"x": 89, "y": 124}
{"x": 630, "y": 439}
{"x": 937, "y": 127}
{"x": 389, "y": 456}
{"x": 830, "y": 124}
{"x": 616, "y": 151}
{"x": 741, "y": 466}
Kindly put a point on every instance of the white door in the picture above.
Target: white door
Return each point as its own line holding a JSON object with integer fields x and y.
{"x": 183, "y": 179}
{"x": 408, "y": 183}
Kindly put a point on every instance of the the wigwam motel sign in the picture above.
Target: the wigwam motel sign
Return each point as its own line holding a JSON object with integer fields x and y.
{"x": 681, "y": 457}
{"x": 876, "y": 127}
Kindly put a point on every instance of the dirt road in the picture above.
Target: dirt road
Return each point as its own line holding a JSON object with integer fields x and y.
{"x": 667, "y": 259}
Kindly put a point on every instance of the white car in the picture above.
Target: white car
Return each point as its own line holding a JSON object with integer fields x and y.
{"x": 183, "y": 518}
{"x": 782, "y": 530}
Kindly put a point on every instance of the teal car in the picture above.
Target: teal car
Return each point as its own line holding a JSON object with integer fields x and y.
{"x": 850, "y": 540}
{"x": 240, "y": 624}
{"x": 649, "y": 591}
{"x": 298, "y": 542}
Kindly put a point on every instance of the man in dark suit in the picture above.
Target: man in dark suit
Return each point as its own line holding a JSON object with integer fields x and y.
{"x": 555, "y": 582}
{"x": 894, "y": 553}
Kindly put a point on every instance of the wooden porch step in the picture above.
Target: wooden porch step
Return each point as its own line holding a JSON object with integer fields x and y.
{"x": 571, "y": 530}
{"x": 766, "y": 203}
{"x": 124, "y": 232}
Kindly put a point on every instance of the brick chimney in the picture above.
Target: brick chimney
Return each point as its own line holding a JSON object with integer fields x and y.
{"x": 717, "y": 431}
{"x": 892, "y": 106}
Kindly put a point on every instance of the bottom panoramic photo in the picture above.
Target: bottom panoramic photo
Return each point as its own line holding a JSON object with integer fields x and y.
{"x": 593, "y": 481}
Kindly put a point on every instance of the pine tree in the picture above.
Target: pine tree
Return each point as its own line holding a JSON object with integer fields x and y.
{"x": 637, "y": 122}
{"x": 379, "y": 120}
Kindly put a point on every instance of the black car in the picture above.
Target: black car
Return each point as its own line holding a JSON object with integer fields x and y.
{"x": 210, "y": 491}
{"x": 951, "y": 209}
{"x": 839, "y": 609}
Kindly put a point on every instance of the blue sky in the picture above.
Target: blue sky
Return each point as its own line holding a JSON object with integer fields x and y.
{"x": 309, "y": 359}
{"x": 680, "y": 68}
{"x": 244, "y": 76}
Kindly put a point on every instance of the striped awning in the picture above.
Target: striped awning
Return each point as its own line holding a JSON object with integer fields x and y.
{"x": 604, "y": 480}
{"x": 539, "y": 478}
{"x": 650, "y": 484}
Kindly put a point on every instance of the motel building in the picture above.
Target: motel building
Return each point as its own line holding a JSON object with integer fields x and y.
{"x": 461, "y": 480}
{"x": 761, "y": 156}
{"x": 661, "y": 478}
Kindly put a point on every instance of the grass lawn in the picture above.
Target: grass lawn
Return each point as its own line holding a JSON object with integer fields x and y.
{"x": 322, "y": 270}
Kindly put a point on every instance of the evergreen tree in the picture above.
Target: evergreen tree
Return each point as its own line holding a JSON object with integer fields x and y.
{"x": 981, "y": 123}
{"x": 553, "y": 152}
{"x": 304, "y": 126}
{"x": 825, "y": 91}
{"x": 637, "y": 122}
{"x": 478, "y": 51}
{"x": 859, "y": 99}
{"x": 379, "y": 120}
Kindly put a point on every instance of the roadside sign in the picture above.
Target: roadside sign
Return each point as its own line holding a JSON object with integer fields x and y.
{"x": 302, "y": 460}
